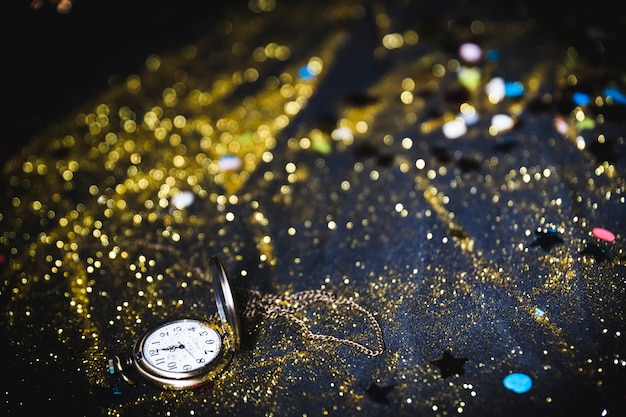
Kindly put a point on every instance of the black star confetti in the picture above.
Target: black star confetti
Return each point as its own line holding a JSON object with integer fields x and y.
{"x": 379, "y": 393}
{"x": 359, "y": 100}
{"x": 468, "y": 164}
{"x": 602, "y": 149}
{"x": 367, "y": 150}
{"x": 449, "y": 365}
{"x": 599, "y": 253}
{"x": 546, "y": 238}
{"x": 505, "y": 143}
{"x": 458, "y": 233}
{"x": 442, "y": 154}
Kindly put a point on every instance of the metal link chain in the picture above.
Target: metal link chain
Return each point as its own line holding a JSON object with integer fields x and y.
{"x": 287, "y": 305}
{"x": 272, "y": 306}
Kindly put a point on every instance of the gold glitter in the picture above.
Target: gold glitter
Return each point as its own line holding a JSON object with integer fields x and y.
{"x": 279, "y": 196}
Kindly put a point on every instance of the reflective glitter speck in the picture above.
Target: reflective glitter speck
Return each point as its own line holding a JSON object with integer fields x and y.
{"x": 183, "y": 199}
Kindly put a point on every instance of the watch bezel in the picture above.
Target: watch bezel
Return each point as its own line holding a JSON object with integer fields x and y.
{"x": 224, "y": 299}
{"x": 189, "y": 379}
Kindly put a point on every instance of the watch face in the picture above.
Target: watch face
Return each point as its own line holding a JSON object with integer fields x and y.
{"x": 180, "y": 347}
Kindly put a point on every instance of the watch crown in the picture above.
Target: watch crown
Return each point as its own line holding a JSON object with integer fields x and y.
{"x": 121, "y": 366}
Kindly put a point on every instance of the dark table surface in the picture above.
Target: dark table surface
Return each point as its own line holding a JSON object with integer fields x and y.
{"x": 311, "y": 139}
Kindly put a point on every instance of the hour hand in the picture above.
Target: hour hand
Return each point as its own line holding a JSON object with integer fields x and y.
{"x": 174, "y": 347}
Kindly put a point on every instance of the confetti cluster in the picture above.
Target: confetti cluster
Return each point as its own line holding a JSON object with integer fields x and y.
{"x": 458, "y": 173}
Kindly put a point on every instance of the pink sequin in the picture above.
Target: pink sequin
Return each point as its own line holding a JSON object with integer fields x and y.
{"x": 603, "y": 234}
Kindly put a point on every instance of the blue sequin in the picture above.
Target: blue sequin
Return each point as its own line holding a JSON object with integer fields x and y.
{"x": 581, "y": 99}
{"x": 305, "y": 73}
{"x": 615, "y": 95}
{"x": 493, "y": 55}
{"x": 518, "y": 383}
{"x": 513, "y": 89}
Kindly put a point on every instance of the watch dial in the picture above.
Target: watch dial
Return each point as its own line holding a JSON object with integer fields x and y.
{"x": 181, "y": 346}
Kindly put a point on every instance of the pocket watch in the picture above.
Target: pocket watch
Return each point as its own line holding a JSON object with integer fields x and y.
{"x": 186, "y": 352}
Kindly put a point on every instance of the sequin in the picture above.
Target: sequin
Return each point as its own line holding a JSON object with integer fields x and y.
{"x": 581, "y": 99}
{"x": 470, "y": 52}
{"x": 502, "y": 122}
{"x": 305, "y": 73}
{"x": 495, "y": 89}
{"x": 518, "y": 383}
{"x": 615, "y": 95}
{"x": 469, "y": 78}
{"x": 455, "y": 128}
{"x": 229, "y": 163}
{"x": 603, "y": 234}
{"x": 513, "y": 89}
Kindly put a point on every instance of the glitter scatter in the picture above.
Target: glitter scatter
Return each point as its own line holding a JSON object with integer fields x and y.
{"x": 518, "y": 383}
{"x": 399, "y": 155}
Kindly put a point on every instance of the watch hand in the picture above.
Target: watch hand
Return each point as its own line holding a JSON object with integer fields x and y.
{"x": 174, "y": 347}
{"x": 187, "y": 350}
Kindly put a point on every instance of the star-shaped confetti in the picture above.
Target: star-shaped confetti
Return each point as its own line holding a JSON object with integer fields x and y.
{"x": 357, "y": 99}
{"x": 505, "y": 143}
{"x": 449, "y": 365}
{"x": 441, "y": 154}
{"x": 599, "y": 253}
{"x": 468, "y": 164}
{"x": 366, "y": 150}
{"x": 603, "y": 150}
{"x": 458, "y": 233}
{"x": 547, "y": 238}
{"x": 379, "y": 393}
